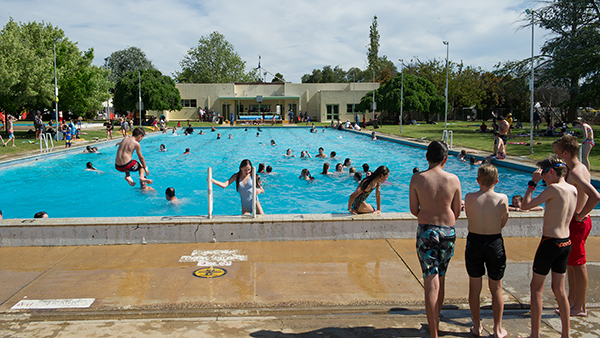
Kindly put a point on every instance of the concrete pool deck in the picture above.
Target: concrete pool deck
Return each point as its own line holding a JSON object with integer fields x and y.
{"x": 344, "y": 288}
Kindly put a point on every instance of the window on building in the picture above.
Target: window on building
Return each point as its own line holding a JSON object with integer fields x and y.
{"x": 189, "y": 103}
{"x": 333, "y": 112}
{"x": 349, "y": 108}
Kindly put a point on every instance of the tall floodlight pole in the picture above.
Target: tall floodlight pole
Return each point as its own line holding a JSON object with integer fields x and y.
{"x": 140, "y": 95}
{"x": 531, "y": 86}
{"x": 401, "y": 90}
{"x": 55, "y": 87}
{"x": 374, "y": 105}
{"x": 446, "y": 110}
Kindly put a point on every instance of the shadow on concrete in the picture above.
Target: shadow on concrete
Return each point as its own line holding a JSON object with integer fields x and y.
{"x": 360, "y": 331}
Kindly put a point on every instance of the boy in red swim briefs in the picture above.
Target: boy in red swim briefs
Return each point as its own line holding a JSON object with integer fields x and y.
{"x": 567, "y": 148}
{"x": 124, "y": 162}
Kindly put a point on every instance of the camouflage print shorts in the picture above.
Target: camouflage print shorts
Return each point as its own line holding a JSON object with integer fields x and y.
{"x": 435, "y": 247}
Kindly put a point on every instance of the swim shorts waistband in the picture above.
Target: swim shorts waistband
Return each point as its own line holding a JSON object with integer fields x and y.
{"x": 478, "y": 237}
{"x": 447, "y": 227}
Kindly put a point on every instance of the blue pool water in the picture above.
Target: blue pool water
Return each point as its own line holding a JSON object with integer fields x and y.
{"x": 59, "y": 186}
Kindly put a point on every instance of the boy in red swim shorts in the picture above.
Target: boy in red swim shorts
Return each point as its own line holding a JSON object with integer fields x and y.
{"x": 124, "y": 162}
{"x": 567, "y": 148}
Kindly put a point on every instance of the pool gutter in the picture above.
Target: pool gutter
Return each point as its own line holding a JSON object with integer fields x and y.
{"x": 200, "y": 229}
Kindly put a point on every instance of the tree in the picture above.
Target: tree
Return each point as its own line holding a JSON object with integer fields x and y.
{"x": 420, "y": 95}
{"x": 571, "y": 57}
{"x": 213, "y": 61}
{"x": 158, "y": 92}
{"x": 27, "y": 71}
{"x": 327, "y": 75}
{"x": 373, "y": 49}
{"x": 278, "y": 78}
{"x": 126, "y": 60}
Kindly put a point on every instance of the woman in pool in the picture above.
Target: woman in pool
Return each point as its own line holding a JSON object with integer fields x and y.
{"x": 339, "y": 168}
{"x": 325, "y": 169}
{"x": 162, "y": 148}
{"x": 305, "y": 175}
{"x": 347, "y": 163}
{"x": 357, "y": 202}
{"x": 305, "y": 154}
{"x": 288, "y": 153}
{"x": 243, "y": 184}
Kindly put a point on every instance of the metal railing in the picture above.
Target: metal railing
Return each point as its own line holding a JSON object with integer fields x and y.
{"x": 44, "y": 145}
{"x": 445, "y": 135}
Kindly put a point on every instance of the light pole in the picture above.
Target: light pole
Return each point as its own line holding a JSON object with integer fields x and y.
{"x": 140, "y": 96}
{"x": 401, "y": 90}
{"x": 446, "y": 109}
{"x": 55, "y": 89}
{"x": 531, "y": 86}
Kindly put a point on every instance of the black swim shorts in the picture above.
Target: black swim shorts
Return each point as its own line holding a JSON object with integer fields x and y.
{"x": 485, "y": 251}
{"x": 552, "y": 253}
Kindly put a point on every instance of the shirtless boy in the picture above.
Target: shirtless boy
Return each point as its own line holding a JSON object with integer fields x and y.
{"x": 567, "y": 148}
{"x": 487, "y": 213}
{"x": 435, "y": 199}
{"x": 124, "y": 162}
{"x": 553, "y": 250}
{"x": 321, "y": 153}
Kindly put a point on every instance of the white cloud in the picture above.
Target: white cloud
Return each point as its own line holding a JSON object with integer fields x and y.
{"x": 293, "y": 37}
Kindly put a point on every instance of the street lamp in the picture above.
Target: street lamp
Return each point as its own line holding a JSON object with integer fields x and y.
{"x": 401, "y": 90}
{"x": 531, "y": 86}
{"x": 446, "y": 109}
{"x": 140, "y": 95}
{"x": 55, "y": 90}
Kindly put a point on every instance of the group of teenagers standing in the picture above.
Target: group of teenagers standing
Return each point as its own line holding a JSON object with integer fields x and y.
{"x": 435, "y": 199}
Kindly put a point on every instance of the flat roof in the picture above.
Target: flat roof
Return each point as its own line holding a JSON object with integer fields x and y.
{"x": 253, "y": 98}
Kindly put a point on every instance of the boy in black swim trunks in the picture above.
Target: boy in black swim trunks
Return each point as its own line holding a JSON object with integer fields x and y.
{"x": 487, "y": 212}
{"x": 553, "y": 251}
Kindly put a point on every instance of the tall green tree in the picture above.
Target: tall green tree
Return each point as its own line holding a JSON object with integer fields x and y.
{"x": 373, "y": 49}
{"x": 214, "y": 60}
{"x": 126, "y": 60}
{"x": 570, "y": 57}
{"x": 158, "y": 92}
{"x": 27, "y": 71}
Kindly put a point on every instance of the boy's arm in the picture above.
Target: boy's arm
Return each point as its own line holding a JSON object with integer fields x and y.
{"x": 588, "y": 189}
{"x": 456, "y": 200}
{"x": 529, "y": 203}
{"x": 505, "y": 214}
{"x": 138, "y": 150}
{"x": 413, "y": 198}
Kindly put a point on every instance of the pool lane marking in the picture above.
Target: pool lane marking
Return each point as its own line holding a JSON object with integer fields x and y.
{"x": 27, "y": 304}
{"x": 214, "y": 257}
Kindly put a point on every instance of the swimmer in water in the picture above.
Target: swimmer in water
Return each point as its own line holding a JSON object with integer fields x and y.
{"x": 357, "y": 202}
{"x": 243, "y": 182}
{"x": 305, "y": 175}
{"x": 288, "y": 153}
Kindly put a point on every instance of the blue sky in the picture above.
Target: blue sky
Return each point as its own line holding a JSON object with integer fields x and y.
{"x": 295, "y": 36}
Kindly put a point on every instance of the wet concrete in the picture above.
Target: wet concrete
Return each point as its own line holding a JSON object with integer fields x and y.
{"x": 289, "y": 289}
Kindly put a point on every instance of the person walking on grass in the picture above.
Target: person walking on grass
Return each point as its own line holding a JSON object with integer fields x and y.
{"x": 11, "y": 132}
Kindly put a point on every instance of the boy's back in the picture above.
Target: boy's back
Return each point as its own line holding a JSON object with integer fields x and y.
{"x": 487, "y": 212}
{"x": 438, "y": 194}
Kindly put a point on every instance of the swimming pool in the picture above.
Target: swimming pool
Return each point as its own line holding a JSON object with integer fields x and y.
{"x": 59, "y": 186}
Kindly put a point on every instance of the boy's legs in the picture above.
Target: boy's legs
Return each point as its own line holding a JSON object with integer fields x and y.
{"x": 432, "y": 303}
{"x": 536, "y": 290}
{"x": 143, "y": 177}
{"x": 129, "y": 179}
{"x": 474, "y": 293}
{"x": 497, "y": 307}
{"x": 558, "y": 288}
{"x": 578, "y": 285}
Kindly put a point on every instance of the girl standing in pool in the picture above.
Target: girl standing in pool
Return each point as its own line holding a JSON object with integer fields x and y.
{"x": 357, "y": 202}
{"x": 243, "y": 180}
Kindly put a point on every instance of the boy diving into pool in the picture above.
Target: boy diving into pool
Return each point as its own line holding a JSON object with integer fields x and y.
{"x": 124, "y": 163}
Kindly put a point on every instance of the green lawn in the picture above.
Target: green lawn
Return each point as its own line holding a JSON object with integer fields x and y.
{"x": 464, "y": 136}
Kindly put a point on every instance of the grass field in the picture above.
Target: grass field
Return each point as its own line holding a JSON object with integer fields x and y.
{"x": 464, "y": 136}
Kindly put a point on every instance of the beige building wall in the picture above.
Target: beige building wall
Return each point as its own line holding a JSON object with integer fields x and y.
{"x": 313, "y": 97}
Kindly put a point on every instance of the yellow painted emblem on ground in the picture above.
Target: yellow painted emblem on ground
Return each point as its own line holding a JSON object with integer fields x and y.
{"x": 210, "y": 272}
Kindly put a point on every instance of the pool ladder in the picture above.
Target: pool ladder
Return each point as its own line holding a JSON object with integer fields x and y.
{"x": 44, "y": 146}
{"x": 445, "y": 135}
